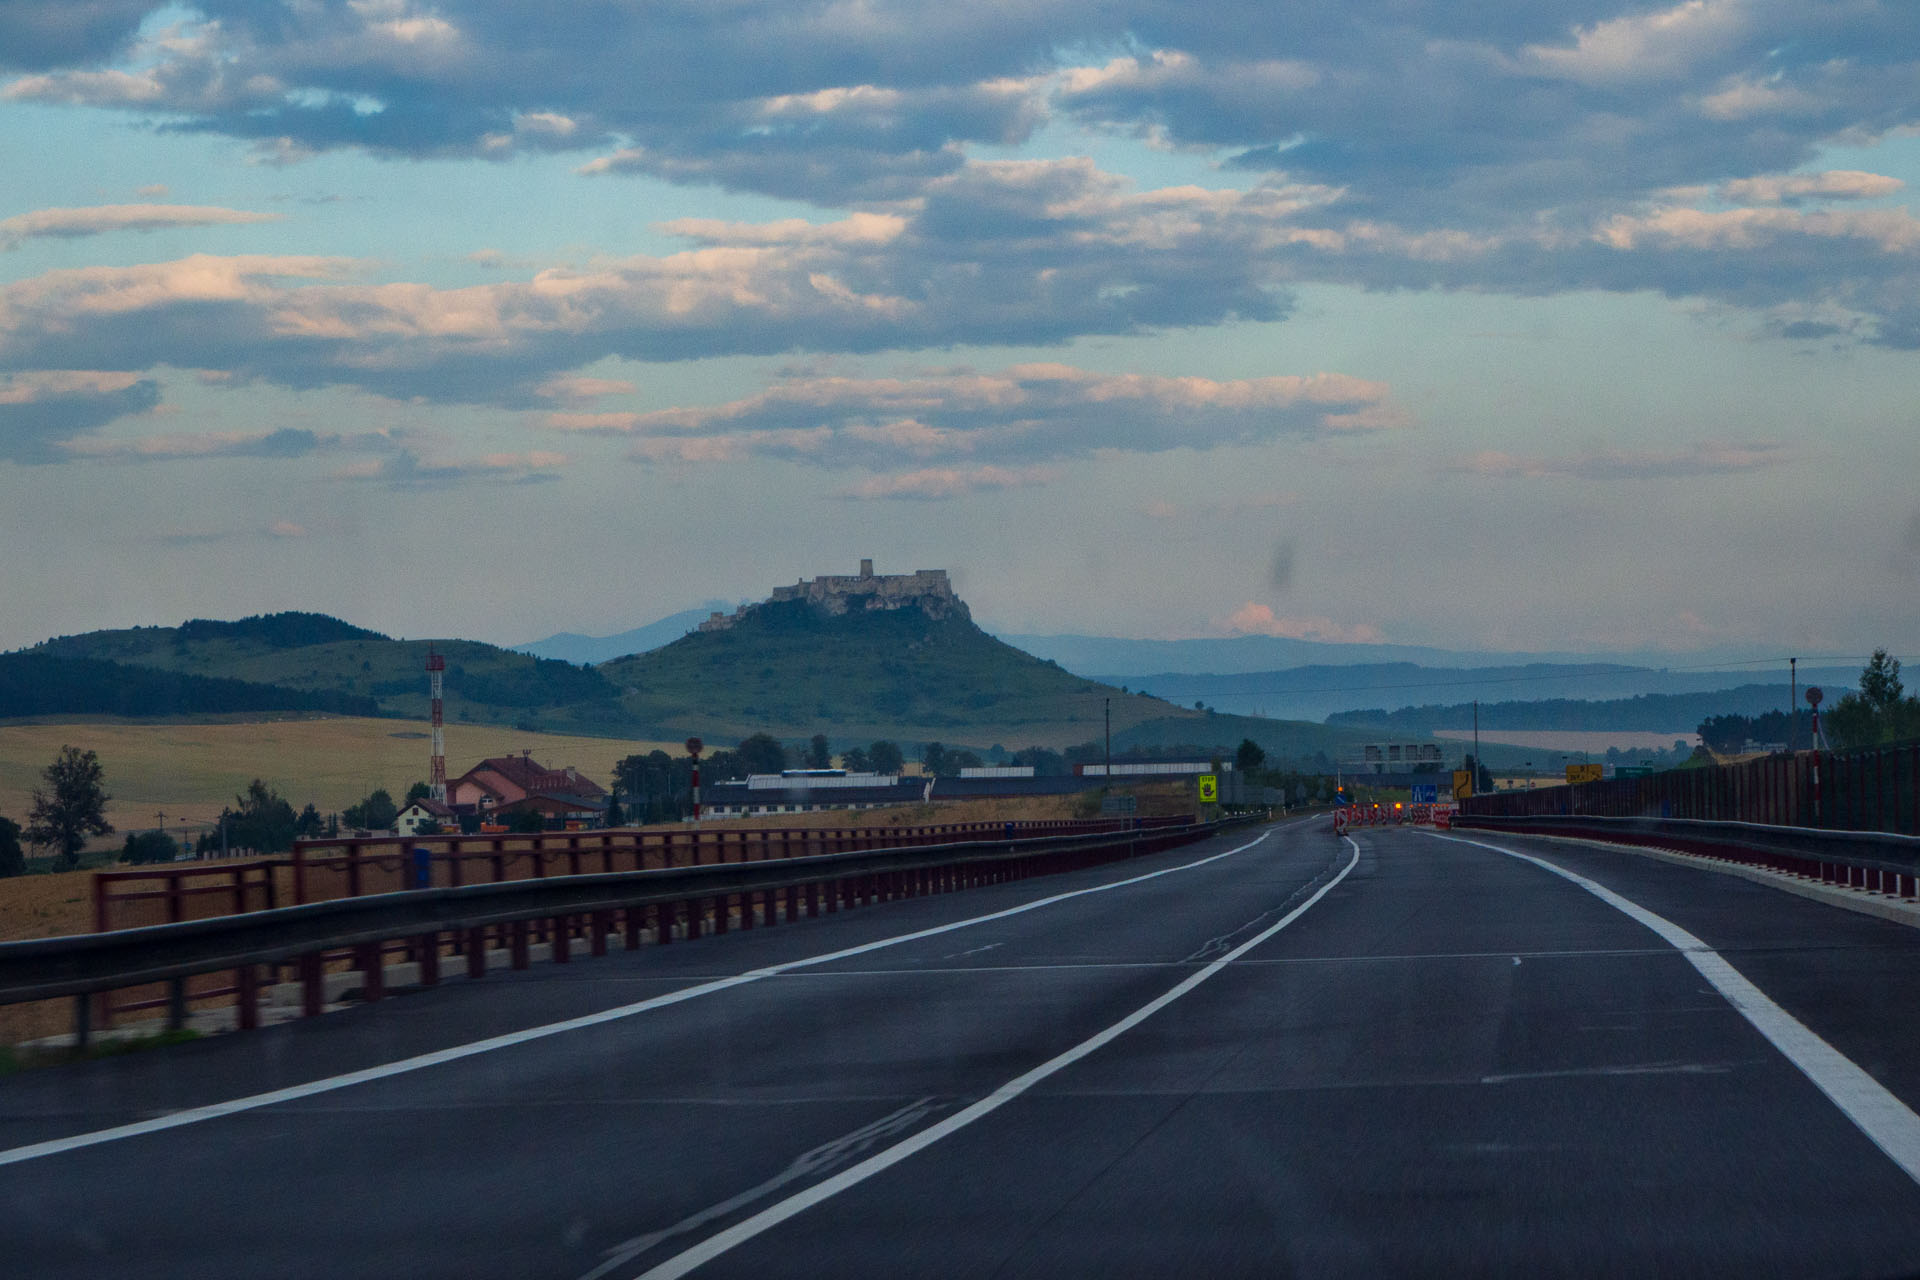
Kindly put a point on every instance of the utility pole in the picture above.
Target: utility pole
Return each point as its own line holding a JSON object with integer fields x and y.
{"x": 1475, "y": 784}
{"x": 1109, "y": 717}
{"x": 1793, "y": 706}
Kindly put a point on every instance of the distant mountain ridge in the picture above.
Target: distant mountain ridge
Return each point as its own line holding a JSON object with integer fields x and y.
{"x": 1132, "y": 660}
{"x": 570, "y": 646}
{"x": 1658, "y": 712}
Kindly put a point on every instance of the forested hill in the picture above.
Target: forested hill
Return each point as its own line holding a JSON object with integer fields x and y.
{"x": 40, "y": 684}
{"x": 313, "y": 654}
{"x": 1655, "y": 712}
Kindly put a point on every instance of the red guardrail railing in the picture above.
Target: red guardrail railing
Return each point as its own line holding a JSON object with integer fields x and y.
{"x": 685, "y": 915}
{"x": 325, "y": 869}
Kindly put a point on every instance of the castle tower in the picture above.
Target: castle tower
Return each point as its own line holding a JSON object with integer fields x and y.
{"x": 437, "y": 778}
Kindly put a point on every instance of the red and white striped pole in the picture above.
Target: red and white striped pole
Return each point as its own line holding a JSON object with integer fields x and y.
{"x": 437, "y": 778}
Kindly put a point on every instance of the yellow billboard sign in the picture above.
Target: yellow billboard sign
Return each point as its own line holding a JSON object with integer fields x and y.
{"x": 1209, "y": 788}
{"x": 1583, "y": 773}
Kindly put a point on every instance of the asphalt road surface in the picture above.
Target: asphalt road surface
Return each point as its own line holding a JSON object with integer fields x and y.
{"x": 1272, "y": 1053}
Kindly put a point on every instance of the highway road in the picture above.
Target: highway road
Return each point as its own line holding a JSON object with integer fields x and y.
{"x": 1273, "y": 1053}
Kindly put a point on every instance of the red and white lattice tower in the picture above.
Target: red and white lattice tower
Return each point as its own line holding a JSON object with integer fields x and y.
{"x": 437, "y": 779}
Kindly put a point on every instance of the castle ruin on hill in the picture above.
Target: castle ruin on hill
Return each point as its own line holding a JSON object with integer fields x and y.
{"x": 927, "y": 590}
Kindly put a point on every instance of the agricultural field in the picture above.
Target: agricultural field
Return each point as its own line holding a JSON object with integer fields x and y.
{"x": 189, "y": 771}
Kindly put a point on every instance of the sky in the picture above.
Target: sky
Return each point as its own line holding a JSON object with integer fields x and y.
{"x": 1572, "y": 326}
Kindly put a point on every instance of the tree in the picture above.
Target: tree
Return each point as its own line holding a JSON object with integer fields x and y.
{"x": 614, "y": 816}
{"x": 148, "y": 846}
{"x": 819, "y": 752}
{"x": 1879, "y": 712}
{"x": 418, "y": 791}
{"x": 375, "y": 813}
{"x": 73, "y": 808}
{"x": 854, "y": 760}
{"x": 1482, "y": 780}
{"x": 13, "y": 862}
{"x": 885, "y": 757}
{"x": 933, "y": 759}
{"x": 762, "y": 753}
{"x": 309, "y": 824}
{"x": 260, "y": 820}
{"x": 527, "y": 822}
{"x": 1249, "y": 757}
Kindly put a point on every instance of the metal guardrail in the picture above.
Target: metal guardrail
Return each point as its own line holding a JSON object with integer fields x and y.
{"x": 351, "y": 867}
{"x": 669, "y": 901}
{"x": 1881, "y": 862}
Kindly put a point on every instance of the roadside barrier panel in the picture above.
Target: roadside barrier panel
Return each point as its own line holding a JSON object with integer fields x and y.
{"x": 1877, "y": 862}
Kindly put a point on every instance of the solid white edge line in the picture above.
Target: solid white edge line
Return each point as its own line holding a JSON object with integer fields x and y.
{"x": 773, "y": 1215}
{"x": 1888, "y": 1122}
{"x": 327, "y": 1084}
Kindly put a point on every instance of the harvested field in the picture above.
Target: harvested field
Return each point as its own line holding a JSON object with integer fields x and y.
{"x": 189, "y": 771}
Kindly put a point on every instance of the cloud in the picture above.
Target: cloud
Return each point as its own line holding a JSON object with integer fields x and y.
{"x": 283, "y": 443}
{"x": 575, "y": 388}
{"x": 1020, "y": 415}
{"x": 41, "y": 410}
{"x": 38, "y": 34}
{"x": 1795, "y": 188}
{"x": 1252, "y": 619}
{"x": 1707, "y": 459}
{"x": 100, "y": 219}
{"x": 287, "y": 529}
{"x": 405, "y": 469}
{"x": 934, "y": 483}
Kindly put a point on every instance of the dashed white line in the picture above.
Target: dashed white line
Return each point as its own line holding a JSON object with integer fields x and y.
{"x": 772, "y": 1216}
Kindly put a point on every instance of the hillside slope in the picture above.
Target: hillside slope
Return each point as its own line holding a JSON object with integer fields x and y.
{"x": 315, "y": 653}
{"x": 792, "y": 670}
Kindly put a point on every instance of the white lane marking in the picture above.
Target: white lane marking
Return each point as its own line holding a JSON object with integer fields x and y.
{"x": 438, "y": 1057}
{"x": 773, "y": 1215}
{"x": 1876, "y": 1112}
{"x": 822, "y": 1159}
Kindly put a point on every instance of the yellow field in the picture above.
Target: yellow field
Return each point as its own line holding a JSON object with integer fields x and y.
{"x": 188, "y": 771}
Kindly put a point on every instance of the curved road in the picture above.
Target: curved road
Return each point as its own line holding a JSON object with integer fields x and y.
{"x": 1272, "y": 1053}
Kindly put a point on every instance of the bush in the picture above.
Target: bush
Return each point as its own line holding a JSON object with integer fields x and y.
{"x": 149, "y": 846}
{"x": 13, "y": 861}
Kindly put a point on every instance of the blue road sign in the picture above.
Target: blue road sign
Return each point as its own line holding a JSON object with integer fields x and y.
{"x": 1426, "y": 793}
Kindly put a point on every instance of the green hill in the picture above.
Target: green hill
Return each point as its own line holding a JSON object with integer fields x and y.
{"x": 44, "y": 684}
{"x": 792, "y": 669}
{"x": 316, "y": 654}
{"x": 789, "y": 668}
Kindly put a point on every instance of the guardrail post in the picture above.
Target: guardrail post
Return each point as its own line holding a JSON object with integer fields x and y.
{"x": 247, "y": 994}
{"x": 313, "y": 992}
{"x": 368, "y": 958}
{"x": 82, "y": 1022}
{"x": 477, "y": 952}
{"x": 562, "y": 941}
{"x": 176, "y": 1004}
{"x": 632, "y": 920}
{"x": 517, "y": 943}
{"x": 602, "y": 925}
